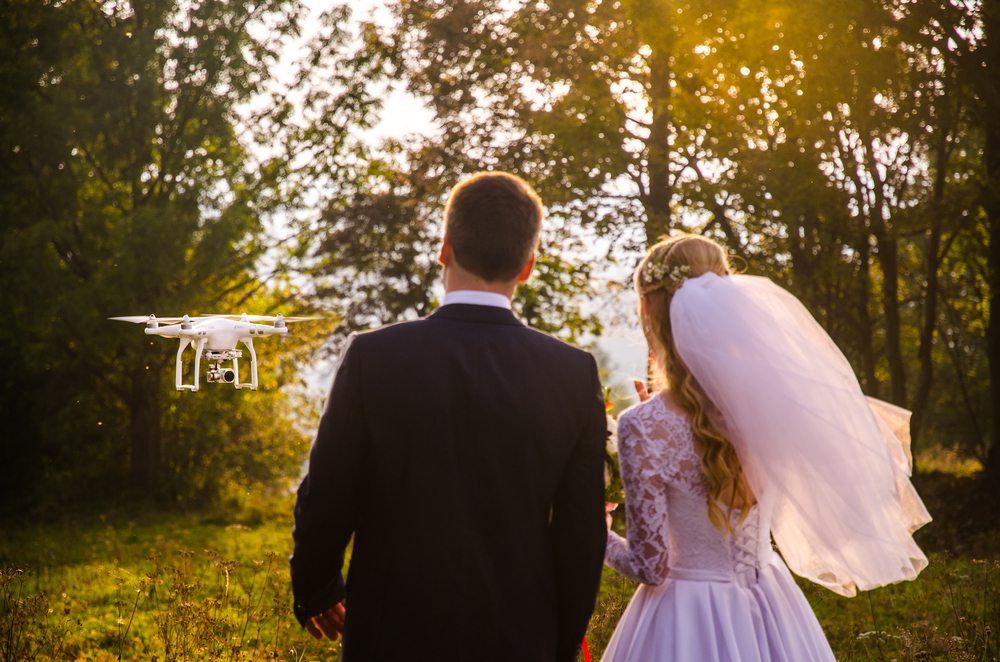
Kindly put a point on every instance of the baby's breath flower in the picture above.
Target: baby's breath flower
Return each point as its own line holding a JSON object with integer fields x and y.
{"x": 656, "y": 272}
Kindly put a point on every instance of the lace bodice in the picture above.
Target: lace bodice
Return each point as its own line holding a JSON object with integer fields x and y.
{"x": 666, "y": 509}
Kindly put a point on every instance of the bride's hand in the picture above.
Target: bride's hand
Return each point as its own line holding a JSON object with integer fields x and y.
{"x": 608, "y": 509}
{"x": 640, "y": 388}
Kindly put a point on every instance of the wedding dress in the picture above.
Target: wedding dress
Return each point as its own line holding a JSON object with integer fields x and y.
{"x": 829, "y": 467}
{"x": 706, "y": 595}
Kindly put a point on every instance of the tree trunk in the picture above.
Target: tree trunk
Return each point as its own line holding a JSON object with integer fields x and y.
{"x": 887, "y": 258}
{"x": 993, "y": 330}
{"x": 869, "y": 380}
{"x": 934, "y": 258}
{"x": 657, "y": 200}
{"x": 989, "y": 95}
{"x": 927, "y": 334}
{"x": 144, "y": 430}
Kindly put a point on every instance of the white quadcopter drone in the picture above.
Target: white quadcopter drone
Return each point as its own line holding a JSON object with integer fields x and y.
{"x": 215, "y": 337}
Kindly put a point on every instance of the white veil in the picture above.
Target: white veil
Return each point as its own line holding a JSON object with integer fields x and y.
{"x": 830, "y": 468}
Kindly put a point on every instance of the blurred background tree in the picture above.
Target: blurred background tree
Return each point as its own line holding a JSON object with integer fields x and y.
{"x": 150, "y": 161}
{"x": 370, "y": 254}
{"x": 842, "y": 149}
{"x": 128, "y": 185}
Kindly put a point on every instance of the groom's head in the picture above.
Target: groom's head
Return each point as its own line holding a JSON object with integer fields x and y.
{"x": 492, "y": 222}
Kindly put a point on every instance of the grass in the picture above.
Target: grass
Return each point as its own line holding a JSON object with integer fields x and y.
{"x": 951, "y": 612}
{"x": 160, "y": 589}
{"x": 947, "y": 460}
{"x": 188, "y": 587}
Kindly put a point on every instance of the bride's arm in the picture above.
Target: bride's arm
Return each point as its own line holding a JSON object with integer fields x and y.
{"x": 641, "y": 556}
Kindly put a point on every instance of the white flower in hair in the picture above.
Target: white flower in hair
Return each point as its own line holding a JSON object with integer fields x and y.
{"x": 656, "y": 271}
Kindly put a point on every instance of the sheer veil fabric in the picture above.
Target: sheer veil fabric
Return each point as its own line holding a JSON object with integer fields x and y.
{"x": 830, "y": 467}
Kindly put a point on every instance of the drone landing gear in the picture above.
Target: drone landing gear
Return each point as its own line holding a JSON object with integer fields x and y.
{"x": 253, "y": 366}
{"x": 216, "y": 372}
{"x": 181, "y": 386}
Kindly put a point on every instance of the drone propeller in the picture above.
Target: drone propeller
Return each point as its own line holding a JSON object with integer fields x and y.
{"x": 139, "y": 319}
{"x": 266, "y": 318}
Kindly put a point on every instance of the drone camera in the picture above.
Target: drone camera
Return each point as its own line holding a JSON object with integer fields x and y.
{"x": 225, "y": 375}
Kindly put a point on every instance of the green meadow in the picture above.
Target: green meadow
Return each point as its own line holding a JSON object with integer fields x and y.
{"x": 154, "y": 587}
{"x": 210, "y": 586}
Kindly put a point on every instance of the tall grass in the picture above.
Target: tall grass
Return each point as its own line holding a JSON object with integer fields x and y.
{"x": 198, "y": 606}
{"x": 187, "y": 588}
{"x": 170, "y": 589}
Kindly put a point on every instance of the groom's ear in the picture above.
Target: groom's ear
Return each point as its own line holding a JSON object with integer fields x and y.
{"x": 445, "y": 251}
{"x": 526, "y": 272}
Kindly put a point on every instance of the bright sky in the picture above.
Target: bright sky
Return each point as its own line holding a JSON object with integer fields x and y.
{"x": 402, "y": 115}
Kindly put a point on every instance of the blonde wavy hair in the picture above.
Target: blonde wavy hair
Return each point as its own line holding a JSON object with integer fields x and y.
{"x": 660, "y": 274}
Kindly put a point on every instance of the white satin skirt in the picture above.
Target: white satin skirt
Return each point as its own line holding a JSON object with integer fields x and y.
{"x": 756, "y": 616}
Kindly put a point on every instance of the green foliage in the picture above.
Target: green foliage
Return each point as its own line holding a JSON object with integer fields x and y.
{"x": 372, "y": 253}
{"x": 375, "y": 251}
{"x": 128, "y": 186}
{"x": 837, "y": 148}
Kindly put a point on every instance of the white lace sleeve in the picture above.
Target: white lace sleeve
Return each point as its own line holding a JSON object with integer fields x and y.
{"x": 643, "y": 555}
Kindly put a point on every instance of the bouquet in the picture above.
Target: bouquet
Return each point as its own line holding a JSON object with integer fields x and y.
{"x": 614, "y": 491}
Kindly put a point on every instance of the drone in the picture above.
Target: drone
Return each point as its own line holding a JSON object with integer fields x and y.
{"x": 215, "y": 338}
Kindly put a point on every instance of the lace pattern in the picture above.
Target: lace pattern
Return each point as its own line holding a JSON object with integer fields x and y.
{"x": 655, "y": 447}
{"x": 666, "y": 506}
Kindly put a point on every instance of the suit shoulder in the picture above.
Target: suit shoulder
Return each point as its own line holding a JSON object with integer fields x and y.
{"x": 389, "y": 332}
{"x": 559, "y": 348}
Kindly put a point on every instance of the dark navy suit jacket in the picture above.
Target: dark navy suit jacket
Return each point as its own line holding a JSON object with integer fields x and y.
{"x": 464, "y": 452}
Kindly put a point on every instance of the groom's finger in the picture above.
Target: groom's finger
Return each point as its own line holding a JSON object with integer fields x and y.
{"x": 313, "y": 629}
{"x": 328, "y": 626}
{"x": 335, "y": 615}
{"x": 333, "y": 626}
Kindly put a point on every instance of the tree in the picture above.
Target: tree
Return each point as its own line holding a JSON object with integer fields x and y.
{"x": 375, "y": 247}
{"x": 988, "y": 91}
{"x": 126, "y": 185}
{"x": 831, "y": 147}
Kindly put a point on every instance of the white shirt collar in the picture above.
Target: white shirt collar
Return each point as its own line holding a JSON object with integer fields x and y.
{"x": 476, "y": 298}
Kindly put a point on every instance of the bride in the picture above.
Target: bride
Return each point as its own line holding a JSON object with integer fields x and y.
{"x": 761, "y": 430}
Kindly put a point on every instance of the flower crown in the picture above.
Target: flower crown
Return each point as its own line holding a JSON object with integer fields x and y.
{"x": 657, "y": 274}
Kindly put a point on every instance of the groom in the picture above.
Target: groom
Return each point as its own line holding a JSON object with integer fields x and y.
{"x": 464, "y": 452}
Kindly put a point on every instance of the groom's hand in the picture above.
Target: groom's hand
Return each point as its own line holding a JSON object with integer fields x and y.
{"x": 329, "y": 623}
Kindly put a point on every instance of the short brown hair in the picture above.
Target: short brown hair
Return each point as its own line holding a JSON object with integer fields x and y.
{"x": 493, "y": 220}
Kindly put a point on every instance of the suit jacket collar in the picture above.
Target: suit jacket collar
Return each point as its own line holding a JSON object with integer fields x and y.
{"x": 464, "y": 312}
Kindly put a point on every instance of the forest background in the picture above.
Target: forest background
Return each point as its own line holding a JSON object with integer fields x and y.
{"x": 160, "y": 156}
{"x": 151, "y": 160}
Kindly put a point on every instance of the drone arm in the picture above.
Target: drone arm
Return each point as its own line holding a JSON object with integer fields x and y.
{"x": 271, "y": 331}
{"x": 172, "y": 331}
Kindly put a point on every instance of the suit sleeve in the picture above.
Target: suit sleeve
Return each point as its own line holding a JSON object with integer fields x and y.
{"x": 578, "y": 529}
{"x": 329, "y": 498}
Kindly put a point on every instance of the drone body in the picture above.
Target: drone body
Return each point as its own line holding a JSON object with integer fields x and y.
{"x": 215, "y": 337}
